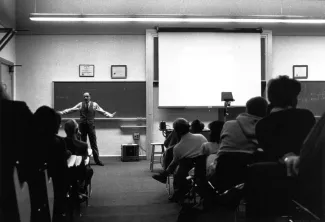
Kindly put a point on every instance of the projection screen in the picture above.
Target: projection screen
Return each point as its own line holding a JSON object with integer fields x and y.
{"x": 194, "y": 68}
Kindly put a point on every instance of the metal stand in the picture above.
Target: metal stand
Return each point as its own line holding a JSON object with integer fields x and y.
{"x": 226, "y": 113}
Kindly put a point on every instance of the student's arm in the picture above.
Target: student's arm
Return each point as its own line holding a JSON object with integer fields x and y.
{"x": 100, "y": 110}
{"x": 168, "y": 139}
{"x": 173, "y": 165}
{"x": 71, "y": 161}
{"x": 71, "y": 110}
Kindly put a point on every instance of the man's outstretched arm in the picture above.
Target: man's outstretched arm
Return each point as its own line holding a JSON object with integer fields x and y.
{"x": 105, "y": 113}
{"x": 71, "y": 110}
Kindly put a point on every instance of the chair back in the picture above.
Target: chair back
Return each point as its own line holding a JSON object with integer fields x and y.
{"x": 23, "y": 198}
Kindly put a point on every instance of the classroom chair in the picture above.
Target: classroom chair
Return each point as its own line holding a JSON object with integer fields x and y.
{"x": 89, "y": 190}
{"x": 153, "y": 152}
{"x": 169, "y": 186}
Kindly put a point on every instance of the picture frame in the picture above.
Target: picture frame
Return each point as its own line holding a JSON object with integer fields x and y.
{"x": 86, "y": 70}
{"x": 118, "y": 71}
{"x": 300, "y": 71}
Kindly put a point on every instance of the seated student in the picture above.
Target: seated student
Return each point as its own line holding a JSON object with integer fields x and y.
{"x": 279, "y": 134}
{"x": 58, "y": 171}
{"x": 188, "y": 147}
{"x": 169, "y": 143}
{"x": 211, "y": 148}
{"x": 39, "y": 156}
{"x": 308, "y": 169}
{"x": 83, "y": 173}
{"x": 238, "y": 145}
{"x": 15, "y": 122}
{"x": 286, "y": 127}
{"x": 196, "y": 126}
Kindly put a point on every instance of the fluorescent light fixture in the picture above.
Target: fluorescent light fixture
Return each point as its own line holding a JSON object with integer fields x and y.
{"x": 173, "y": 19}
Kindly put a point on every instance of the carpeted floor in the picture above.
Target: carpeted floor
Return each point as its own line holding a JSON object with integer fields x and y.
{"x": 125, "y": 191}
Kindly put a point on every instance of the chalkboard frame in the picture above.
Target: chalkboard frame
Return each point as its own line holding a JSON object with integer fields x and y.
{"x": 98, "y": 118}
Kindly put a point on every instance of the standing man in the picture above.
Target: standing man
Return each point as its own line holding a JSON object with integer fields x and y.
{"x": 87, "y": 122}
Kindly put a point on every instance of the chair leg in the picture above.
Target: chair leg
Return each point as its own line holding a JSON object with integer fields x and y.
{"x": 152, "y": 159}
{"x": 88, "y": 193}
{"x": 168, "y": 186}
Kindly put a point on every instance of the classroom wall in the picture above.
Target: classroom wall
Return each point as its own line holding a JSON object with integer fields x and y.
{"x": 8, "y": 20}
{"x": 48, "y": 58}
{"x": 299, "y": 50}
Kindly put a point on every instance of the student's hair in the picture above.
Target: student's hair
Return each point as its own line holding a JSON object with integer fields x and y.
{"x": 283, "y": 92}
{"x": 70, "y": 127}
{"x": 257, "y": 106}
{"x": 196, "y": 126}
{"x": 215, "y": 130}
{"x": 181, "y": 126}
{"x": 45, "y": 121}
{"x": 86, "y": 92}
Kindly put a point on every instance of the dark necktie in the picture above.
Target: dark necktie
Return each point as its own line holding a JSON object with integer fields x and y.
{"x": 86, "y": 107}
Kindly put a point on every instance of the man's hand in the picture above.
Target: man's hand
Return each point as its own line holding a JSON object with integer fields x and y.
{"x": 292, "y": 164}
{"x": 60, "y": 112}
{"x": 107, "y": 114}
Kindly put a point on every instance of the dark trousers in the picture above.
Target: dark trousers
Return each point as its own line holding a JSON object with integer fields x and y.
{"x": 180, "y": 183}
{"x": 89, "y": 129}
{"x": 231, "y": 170}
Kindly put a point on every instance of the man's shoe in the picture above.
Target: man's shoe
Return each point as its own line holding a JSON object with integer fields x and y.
{"x": 160, "y": 178}
{"x": 99, "y": 163}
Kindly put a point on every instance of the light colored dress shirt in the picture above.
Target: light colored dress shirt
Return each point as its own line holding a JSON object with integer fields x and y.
{"x": 188, "y": 147}
{"x": 77, "y": 107}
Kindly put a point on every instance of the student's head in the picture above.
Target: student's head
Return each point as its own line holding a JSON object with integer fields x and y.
{"x": 257, "y": 106}
{"x": 283, "y": 92}
{"x": 71, "y": 128}
{"x": 196, "y": 126}
{"x": 181, "y": 127}
{"x": 86, "y": 97}
{"x": 45, "y": 121}
{"x": 3, "y": 93}
{"x": 215, "y": 130}
{"x": 58, "y": 122}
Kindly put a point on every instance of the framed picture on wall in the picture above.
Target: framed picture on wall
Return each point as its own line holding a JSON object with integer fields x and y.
{"x": 300, "y": 71}
{"x": 118, "y": 71}
{"x": 86, "y": 70}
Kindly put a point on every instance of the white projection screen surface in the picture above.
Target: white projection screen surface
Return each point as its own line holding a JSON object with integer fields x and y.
{"x": 194, "y": 68}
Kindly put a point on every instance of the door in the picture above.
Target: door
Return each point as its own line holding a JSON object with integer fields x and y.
{"x": 6, "y": 79}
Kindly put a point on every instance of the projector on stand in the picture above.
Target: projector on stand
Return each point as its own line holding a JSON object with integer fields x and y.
{"x": 227, "y": 98}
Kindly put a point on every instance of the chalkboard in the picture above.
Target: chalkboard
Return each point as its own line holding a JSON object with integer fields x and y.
{"x": 128, "y": 99}
{"x": 312, "y": 96}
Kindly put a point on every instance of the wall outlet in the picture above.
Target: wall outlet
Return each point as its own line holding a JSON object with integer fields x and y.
{"x": 136, "y": 136}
